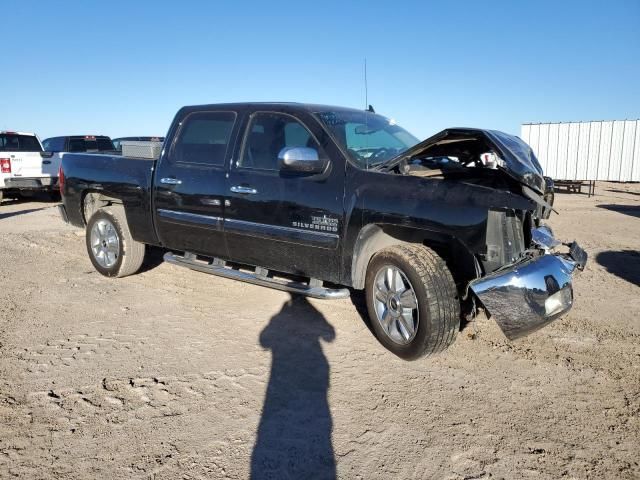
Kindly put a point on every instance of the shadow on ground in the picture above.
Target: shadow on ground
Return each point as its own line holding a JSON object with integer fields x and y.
{"x": 615, "y": 190}
{"x": 153, "y": 257}
{"x": 19, "y": 212}
{"x": 632, "y": 210}
{"x": 624, "y": 264}
{"x": 294, "y": 435}
{"x": 359, "y": 300}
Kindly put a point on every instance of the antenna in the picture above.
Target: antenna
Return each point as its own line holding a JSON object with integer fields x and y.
{"x": 367, "y": 109}
{"x": 366, "y": 89}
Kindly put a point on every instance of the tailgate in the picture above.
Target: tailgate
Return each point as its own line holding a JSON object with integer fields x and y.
{"x": 31, "y": 164}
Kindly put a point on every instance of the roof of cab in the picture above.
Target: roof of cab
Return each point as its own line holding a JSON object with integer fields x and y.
{"x": 292, "y": 106}
{"x": 11, "y": 132}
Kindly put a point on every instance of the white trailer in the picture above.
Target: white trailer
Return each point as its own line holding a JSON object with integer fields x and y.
{"x": 587, "y": 151}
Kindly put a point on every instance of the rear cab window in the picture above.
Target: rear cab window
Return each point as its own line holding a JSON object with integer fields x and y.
{"x": 204, "y": 138}
{"x": 13, "y": 142}
{"x": 90, "y": 143}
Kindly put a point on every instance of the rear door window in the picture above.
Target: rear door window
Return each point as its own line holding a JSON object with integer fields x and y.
{"x": 10, "y": 142}
{"x": 204, "y": 138}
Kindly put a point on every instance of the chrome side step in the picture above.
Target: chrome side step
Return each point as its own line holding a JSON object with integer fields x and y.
{"x": 260, "y": 276}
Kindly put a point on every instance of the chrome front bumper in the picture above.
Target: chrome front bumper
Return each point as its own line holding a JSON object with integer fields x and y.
{"x": 530, "y": 294}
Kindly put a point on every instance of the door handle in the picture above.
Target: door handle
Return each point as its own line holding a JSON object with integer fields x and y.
{"x": 170, "y": 181}
{"x": 247, "y": 190}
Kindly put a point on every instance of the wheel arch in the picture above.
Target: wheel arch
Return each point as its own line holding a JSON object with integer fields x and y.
{"x": 94, "y": 200}
{"x": 375, "y": 237}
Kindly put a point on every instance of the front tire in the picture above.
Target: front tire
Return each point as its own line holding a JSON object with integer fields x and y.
{"x": 112, "y": 249}
{"x": 412, "y": 301}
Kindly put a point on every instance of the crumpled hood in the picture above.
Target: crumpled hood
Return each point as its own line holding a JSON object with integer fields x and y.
{"x": 518, "y": 158}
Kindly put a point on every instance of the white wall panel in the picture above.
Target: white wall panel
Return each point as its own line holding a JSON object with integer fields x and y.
{"x": 543, "y": 144}
{"x": 594, "y": 150}
{"x": 635, "y": 167}
{"x": 628, "y": 140}
{"x": 582, "y": 150}
{"x": 615, "y": 158}
{"x": 563, "y": 150}
{"x": 552, "y": 150}
{"x": 605, "y": 150}
{"x": 572, "y": 151}
{"x": 587, "y": 150}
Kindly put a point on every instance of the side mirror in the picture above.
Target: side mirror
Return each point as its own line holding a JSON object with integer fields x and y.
{"x": 46, "y": 154}
{"x": 301, "y": 159}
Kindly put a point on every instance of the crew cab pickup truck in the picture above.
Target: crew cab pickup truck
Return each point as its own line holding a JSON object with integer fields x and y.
{"x": 24, "y": 167}
{"x": 318, "y": 200}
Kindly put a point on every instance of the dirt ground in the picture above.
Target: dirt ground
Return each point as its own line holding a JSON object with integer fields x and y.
{"x": 176, "y": 374}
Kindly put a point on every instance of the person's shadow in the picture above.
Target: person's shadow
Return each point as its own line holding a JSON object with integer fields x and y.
{"x": 294, "y": 435}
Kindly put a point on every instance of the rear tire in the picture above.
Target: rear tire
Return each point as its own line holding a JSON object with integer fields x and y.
{"x": 412, "y": 301}
{"x": 112, "y": 249}
{"x": 1, "y": 195}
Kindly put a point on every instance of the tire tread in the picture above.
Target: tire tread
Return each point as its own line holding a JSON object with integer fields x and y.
{"x": 443, "y": 303}
{"x": 132, "y": 252}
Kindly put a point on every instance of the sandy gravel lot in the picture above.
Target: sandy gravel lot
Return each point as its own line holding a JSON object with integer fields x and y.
{"x": 175, "y": 374}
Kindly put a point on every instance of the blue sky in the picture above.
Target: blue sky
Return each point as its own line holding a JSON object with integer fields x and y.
{"x": 124, "y": 68}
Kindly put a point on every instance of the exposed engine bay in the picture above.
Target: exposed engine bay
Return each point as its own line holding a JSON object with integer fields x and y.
{"x": 482, "y": 157}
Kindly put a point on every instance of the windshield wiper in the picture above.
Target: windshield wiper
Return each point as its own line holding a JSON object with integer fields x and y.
{"x": 376, "y": 166}
{"x": 387, "y": 164}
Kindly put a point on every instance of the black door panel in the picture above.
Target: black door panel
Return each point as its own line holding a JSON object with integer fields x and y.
{"x": 191, "y": 185}
{"x": 278, "y": 220}
{"x": 296, "y": 236}
{"x": 191, "y": 219}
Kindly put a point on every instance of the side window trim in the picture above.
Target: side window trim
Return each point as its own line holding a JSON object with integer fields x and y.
{"x": 230, "y": 146}
{"x": 247, "y": 131}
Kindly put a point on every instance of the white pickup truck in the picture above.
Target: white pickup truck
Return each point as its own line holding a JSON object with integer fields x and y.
{"x": 24, "y": 167}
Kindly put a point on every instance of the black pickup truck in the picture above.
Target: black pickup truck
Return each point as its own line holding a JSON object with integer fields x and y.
{"x": 319, "y": 200}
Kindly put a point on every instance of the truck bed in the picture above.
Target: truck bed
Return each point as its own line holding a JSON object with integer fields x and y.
{"x": 117, "y": 176}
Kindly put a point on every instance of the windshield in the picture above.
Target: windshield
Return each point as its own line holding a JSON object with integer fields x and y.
{"x": 369, "y": 139}
{"x": 11, "y": 142}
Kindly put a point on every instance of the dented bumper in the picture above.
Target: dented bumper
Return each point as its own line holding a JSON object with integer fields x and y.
{"x": 530, "y": 294}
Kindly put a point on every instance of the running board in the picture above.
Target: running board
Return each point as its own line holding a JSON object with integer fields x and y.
{"x": 258, "y": 277}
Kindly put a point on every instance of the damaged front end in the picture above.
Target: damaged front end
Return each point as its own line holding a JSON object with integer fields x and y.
{"x": 532, "y": 292}
{"x": 528, "y": 281}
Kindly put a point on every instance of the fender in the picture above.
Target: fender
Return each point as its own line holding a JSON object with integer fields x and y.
{"x": 375, "y": 237}
{"x": 448, "y": 215}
